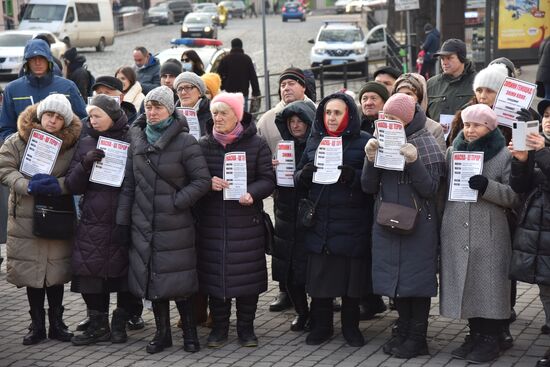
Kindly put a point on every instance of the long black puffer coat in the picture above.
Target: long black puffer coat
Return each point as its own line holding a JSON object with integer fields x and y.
{"x": 531, "y": 246}
{"x": 231, "y": 245}
{"x": 162, "y": 252}
{"x": 95, "y": 250}
{"x": 289, "y": 255}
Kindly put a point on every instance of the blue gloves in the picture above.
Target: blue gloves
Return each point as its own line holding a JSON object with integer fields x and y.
{"x": 42, "y": 184}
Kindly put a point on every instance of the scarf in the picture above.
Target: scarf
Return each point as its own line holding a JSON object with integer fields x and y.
{"x": 153, "y": 132}
{"x": 230, "y": 137}
{"x": 343, "y": 125}
{"x": 489, "y": 144}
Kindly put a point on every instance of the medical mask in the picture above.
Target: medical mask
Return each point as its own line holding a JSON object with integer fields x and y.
{"x": 187, "y": 66}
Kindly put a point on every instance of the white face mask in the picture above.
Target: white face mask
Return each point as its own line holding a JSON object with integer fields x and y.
{"x": 187, "y": 66}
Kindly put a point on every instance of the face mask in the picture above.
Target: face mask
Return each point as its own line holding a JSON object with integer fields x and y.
{"x": 187, "y": 66}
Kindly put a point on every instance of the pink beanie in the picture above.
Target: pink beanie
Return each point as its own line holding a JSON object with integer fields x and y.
{"x": 234, "y": 100}
{"x": 401, "y": 106}
{"x": 481, "y": 114}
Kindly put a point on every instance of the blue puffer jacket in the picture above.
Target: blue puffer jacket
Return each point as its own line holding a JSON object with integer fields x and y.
{"x": 30, "y": 89}
{"x": 149, "y": 75}
{"x": 343, "y": 217}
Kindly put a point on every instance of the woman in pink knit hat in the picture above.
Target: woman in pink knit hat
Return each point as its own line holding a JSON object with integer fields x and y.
{"x": 231, "y": 245}
{"x": 404, "y": 265}
{"x": 476, "y": 243}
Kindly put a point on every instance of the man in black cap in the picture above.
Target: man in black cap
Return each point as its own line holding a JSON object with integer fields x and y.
{"x": 430, "y": 47}
{"x": 387, "y": 75}
{"x": 111, "y": 86}
{"x": 238, "y": 72}
{"x": 292, "y": 87}
{"x": 449, "y": 91}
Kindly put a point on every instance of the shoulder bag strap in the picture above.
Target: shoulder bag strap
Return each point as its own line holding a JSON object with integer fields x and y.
{"x": 154, "y": 168}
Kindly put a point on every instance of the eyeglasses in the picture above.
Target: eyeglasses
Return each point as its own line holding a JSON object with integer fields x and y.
{"x": 186, "y": 60}
{"x": 186, "y": 88}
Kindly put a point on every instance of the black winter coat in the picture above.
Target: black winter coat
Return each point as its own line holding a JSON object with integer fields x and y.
{"x": 531, "y": 246}
{"x": 344, "y": 212}
{"x": 78, "y": 73}
{"x": 237, "y": 72}
{"x": 97, "y": 252}
{"x": 543, "y": 71}
{"x": 231, "y": 259}
{"x": 289, "y": 255}
{"x": 162, "y": 252}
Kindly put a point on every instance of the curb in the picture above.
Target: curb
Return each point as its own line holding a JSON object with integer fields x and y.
{"x": 134, "y": 30}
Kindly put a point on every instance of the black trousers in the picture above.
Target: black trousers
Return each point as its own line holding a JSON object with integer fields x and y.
{"x": 36, "y": 296}
{"x": 413, "y": 308}
{"x": 125, "y": 300}
{"x": 486, "y": 326}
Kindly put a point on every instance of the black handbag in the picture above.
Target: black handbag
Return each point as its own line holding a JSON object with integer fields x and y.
{"x": 306, "y": 210}
{"x": 269, "y": 233}
{"x": 54, "y": 217}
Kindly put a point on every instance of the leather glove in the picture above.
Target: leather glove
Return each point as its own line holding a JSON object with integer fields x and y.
{"x": 409, "y": 152}
{"x": 94, "y": 155}
{"x": 307, "y": 172}
{"x": 479, "y": 183}
{"x": 347, "y": 175}
{"x": 371, "y": 148}
{"x": 524, "y": 115}
{"x": 122, "y": 234}
{"x": 41, "y": 184}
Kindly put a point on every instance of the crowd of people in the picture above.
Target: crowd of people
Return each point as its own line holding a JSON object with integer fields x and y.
{"x": 174, "y": 229}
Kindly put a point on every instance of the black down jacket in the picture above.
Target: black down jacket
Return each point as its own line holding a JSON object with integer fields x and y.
{"x": 96, "y": 251}
{"x": 344, "y": 212}
{"x": 162, "y": 252}
{"x": 288, "y": 251}
{"x": 531, "y": 246}
{"x": 231, "y": 259}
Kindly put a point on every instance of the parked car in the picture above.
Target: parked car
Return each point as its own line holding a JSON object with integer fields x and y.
{"x": 198, "y": 7}
{"x": 212, "y": 10}
{"x": 235, "y": 8}
{"x": 210, "y": 51}
{"x": 293, "y": 10}
{"x": 340, "y": 6}
{"x": 180, "y": 8}
{"x": 160, "y": 14}
{"x": 199, "y": 25}
{"x": 134, "y": 10}
{"x": 12, "y": 45}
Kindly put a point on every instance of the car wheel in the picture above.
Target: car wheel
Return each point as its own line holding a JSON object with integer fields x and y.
{"x": 101, "y": 45}
{"x": 303, "y": 19}
{"x": 285, "y": 20}
{"x": 67, "y": 42}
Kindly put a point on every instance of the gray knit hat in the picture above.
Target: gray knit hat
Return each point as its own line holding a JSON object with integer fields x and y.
{"x": 107, "y": 104}
{"x": 163, "y": 95}
{"x": 57, "y": 103}
{"x": 191, "y": 78}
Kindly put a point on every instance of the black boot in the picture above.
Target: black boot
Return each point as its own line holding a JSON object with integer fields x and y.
{"x": 466, "y": 347}
{"x": 281, "y": 303}
{"x": 118, "y": 326}
{"x": 370, "y": 306}
{"x": 37, "y": 330}
{"x": 189, "y": 326}
{"x": 58, "y": 330}
{"x": 220, "y": 310}
{"x": 321, "y": 321}
{"x": 83, "y": 325}
{"x": 98, "y": 330}
{"x": 544, "y": 361}
{"x": 505, "y": 339}
{"x": 486, "y": 349}
{"x": 246, "y": 313}
{"x": 299, "y": 299}
{"x": 400, "y": 331}
{"x": 350, "y": 322}
{"x": 163, "y": 335}
{"x": 415, "y": 344}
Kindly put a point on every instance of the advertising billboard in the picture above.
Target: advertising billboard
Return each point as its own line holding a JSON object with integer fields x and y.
{"x": 523, "y": 24}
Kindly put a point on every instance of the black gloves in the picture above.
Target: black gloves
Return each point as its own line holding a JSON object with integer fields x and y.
{"x": 94, "y": 155}
{"x": 524, "y": 115}
{"x": 347, "y": 175}
{"x": 307, "y": 173}
{"x": 479, "y": 183}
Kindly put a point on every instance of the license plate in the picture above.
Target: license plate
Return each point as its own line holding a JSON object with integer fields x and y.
{"x": 196, "y": 34}
{"x": 338, "y": 62}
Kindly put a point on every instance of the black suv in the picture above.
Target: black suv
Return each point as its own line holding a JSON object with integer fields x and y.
{"x": 180, "y": 8}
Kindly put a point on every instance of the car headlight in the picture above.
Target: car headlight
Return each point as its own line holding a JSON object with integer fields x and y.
{"x": 207, "y": 29}
{"x": 360, "y": 50}
{"x": 319, "y": 51}
{"x": 15, "y": 59}
{"x": 184, "y": 29}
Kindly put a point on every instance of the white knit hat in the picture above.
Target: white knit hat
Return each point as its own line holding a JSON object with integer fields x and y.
{"x": 491, "y": 77}
{"x": 57, "y": 103}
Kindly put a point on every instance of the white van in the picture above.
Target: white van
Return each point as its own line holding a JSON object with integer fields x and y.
{"x": 78, "y": 23}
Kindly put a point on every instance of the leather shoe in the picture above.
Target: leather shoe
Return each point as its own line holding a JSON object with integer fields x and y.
{"x": 135, "y": 322}
{"x": 545, "y": 329}
{"x": 281, "y": 303}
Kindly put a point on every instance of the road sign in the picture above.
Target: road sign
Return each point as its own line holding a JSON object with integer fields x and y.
{"x": 401, "y": 5}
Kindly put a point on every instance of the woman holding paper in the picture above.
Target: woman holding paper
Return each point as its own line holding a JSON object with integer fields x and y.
{"x": 405, "y": 264}
{"x": 231, "y": 243}
{"x": 100, "y": 250}
{"x": 166, "y": 174}
{"x": 40, "y": 264}
{"x": 289, "y": 259}
{"x": 475, "y": 240}
{"x": 191, "y": 92}
{"x": 338, "y": 242}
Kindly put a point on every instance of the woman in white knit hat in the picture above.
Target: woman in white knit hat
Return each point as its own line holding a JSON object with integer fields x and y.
{"x": 42, "y": 265}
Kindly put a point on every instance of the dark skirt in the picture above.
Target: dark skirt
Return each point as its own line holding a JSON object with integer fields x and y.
{"x": 95, "y": 285}
{"x": 330, "y": 276}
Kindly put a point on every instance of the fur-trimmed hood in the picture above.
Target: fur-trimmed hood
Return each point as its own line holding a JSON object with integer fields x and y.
{"x": 28, "y": 120}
